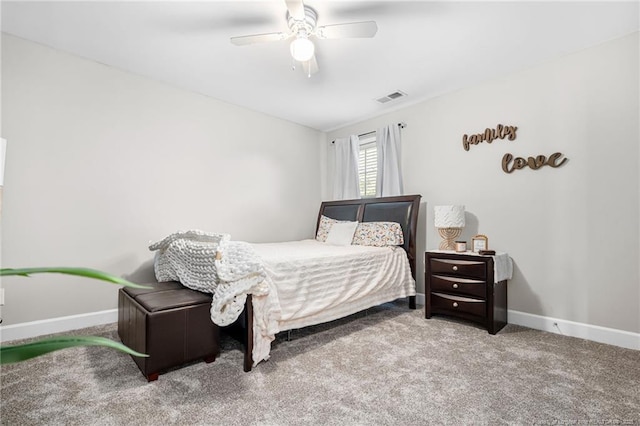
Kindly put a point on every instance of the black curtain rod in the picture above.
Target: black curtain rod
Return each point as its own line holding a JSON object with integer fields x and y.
{"x": 373, "y": 132}
{"x": 401, "y": 125}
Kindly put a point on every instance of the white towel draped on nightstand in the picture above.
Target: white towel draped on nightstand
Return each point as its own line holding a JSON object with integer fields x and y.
{"x": 502, "y": 267}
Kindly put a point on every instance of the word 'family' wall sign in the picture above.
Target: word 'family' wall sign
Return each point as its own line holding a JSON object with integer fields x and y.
{"x": 509, "y": 163}
{"x": 489, "y": 135}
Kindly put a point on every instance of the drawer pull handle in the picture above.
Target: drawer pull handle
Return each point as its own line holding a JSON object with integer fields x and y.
{"x": 455, "y": 268}
{"x": 455, "y": 286}
{"x": 455, "y": 304}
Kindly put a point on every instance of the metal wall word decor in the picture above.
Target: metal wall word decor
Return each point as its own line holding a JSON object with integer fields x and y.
{"x": 489, "y": 135}
{"x": 509, "y": 164}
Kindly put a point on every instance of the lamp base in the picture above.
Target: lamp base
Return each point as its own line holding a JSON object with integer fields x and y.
{"x": 448, "y": 237}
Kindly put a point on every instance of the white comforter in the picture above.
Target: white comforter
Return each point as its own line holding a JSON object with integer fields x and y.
{"x": 311, "y": 282}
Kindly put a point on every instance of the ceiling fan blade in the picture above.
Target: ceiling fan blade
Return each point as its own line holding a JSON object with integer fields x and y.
{"x": 296, "y": 9}
{"x": 350, "y": 30}
{"x": 310, "y": 67}
{"x": 258, "y": 38}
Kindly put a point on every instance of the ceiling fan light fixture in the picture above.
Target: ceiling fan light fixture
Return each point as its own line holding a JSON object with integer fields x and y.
{"x": 302, "y": 22}
{"x": 302, "y": 49}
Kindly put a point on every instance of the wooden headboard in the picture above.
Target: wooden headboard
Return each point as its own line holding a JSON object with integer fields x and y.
{"x": 402, "y": 209}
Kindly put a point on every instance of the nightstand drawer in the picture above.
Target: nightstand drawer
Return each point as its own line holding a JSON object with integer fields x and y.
{"x": 467, "y": 268}
{"x": 456, "y": 285}
{"x": 448, "y": 302}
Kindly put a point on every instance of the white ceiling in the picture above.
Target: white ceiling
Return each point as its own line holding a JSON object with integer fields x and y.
{"x": 424, "y": 48}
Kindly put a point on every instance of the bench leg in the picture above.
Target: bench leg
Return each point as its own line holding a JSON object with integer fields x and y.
{"x": 412, "y": 302}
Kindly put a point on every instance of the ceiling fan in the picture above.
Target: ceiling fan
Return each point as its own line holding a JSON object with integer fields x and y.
{"x": 301, "y": 20}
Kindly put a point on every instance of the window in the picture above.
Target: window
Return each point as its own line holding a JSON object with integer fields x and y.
{"x": 368, "y": 166}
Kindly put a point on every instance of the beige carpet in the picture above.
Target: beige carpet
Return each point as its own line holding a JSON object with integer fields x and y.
{"x": 390, "y": 367}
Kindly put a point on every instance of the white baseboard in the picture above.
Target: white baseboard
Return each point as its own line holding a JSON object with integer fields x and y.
{"x": 610, "y": 336}
{"x": 56, "y": 325}
{"x": 31, "y": 329}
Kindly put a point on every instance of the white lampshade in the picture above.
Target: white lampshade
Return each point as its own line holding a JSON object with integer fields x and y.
{"x": 302, "y": 49}
{"x": 449, "y": 216}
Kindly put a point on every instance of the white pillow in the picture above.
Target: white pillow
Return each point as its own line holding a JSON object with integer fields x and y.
{"x": 341, "y": 233}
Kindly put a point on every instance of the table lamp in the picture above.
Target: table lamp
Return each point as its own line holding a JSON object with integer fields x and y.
{"x": 449, "y": 220}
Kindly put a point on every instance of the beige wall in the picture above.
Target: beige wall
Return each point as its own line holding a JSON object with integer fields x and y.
{"x": 572, "y": 231}
{"x": 101, "y": 162}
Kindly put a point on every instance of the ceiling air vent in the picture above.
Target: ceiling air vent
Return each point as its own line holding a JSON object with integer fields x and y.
{"x": 391, "y": 96}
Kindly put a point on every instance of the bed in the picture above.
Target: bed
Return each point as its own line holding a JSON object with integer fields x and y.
{"x": 309, "y": 285}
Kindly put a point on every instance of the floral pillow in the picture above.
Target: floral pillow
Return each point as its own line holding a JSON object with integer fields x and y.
{"x": 324, "y": 228}
{"x": 378, "y": 234}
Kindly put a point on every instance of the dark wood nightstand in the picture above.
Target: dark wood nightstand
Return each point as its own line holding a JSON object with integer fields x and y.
{"x": 463, "y": 286}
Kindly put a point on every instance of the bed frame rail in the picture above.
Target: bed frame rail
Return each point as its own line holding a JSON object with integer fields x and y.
{"x": 402, "y": 209}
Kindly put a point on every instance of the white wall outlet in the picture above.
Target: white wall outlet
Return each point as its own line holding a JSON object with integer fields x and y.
{"x": 1, "y": 296}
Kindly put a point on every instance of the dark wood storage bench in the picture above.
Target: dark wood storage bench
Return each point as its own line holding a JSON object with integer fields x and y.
{"x": 170, "y": 323}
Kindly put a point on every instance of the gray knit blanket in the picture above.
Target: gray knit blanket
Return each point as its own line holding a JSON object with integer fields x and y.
{"x": 212, "y": 263}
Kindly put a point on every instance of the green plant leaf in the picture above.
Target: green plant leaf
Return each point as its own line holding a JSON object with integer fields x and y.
{"x": 80, "y": 272}
{"x": 17, "y": 353}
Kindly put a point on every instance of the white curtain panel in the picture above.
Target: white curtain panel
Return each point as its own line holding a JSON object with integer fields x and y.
{"x": 345, "y": 180}
{"x": 3, "y": 152}
{"x": 389, "y": 180}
